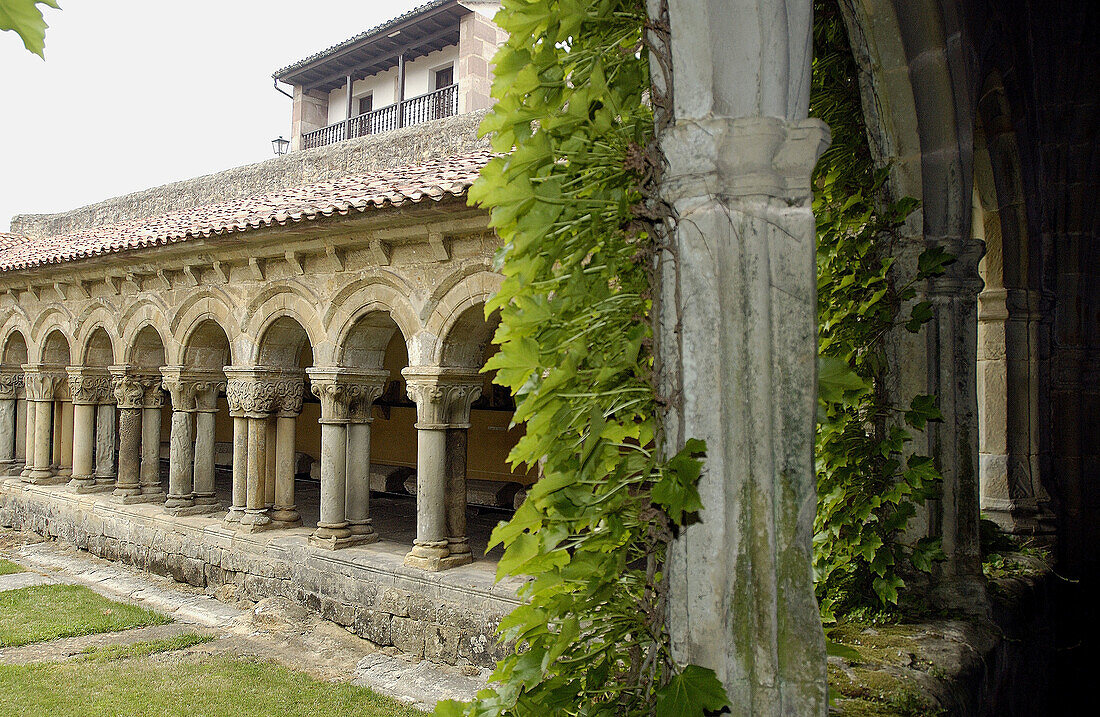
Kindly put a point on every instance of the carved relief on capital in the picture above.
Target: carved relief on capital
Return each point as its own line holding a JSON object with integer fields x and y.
{"x": 90, "y": 388}
{"x": 154, "y": 392}
{"x": 206, "y": 395}
{"x": 346, "y": 394}
{"x": 262, "y": 391}
{"x": 443, "y": 397}
{"x": 42, "y": 385}
{"x": 11, "y": 384}
{"x": 129, "y": 390}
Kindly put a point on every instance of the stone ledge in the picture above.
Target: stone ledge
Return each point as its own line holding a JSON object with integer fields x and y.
{"x": 447, "y": 617}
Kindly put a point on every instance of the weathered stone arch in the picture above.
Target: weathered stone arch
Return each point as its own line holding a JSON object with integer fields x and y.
{"x": 56, "y": 348}
{"x": 466, "y": 270}
{"x": 281, "y": 340}
{"x": 148, "y": 316}
{"x": 100, "y": 307}
{"x": 364, "y": 289}
{"x": 292, "y": 306}
{"x": 54, "y": 316}
{"x": 191, "y": 315}
{"x": 207, "y": 345}
{"x": 210, "y": 301}
{"x": 97, "y": 347}
{"x": 16, "y": 323}
{"x": 98, "y": 318}
{"x": 273, "y": 292}
{"x": 146, "y": 348}
{"x": 367, "y": 299}
{"x": 15, "y": 348}
{"x": 452, "y": 314}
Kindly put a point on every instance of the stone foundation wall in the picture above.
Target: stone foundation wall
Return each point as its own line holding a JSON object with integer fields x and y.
{"x": 440, "y": 617}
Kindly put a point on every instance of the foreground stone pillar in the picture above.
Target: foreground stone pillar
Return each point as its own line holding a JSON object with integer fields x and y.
{"x": 41, "y": 383}
{"x": 240, "y": 469}
{"x": 20, "y": 431}
{"x": 737, "y": 343}
{"x": 443, "y": 397}
{"x": 28, "y": 438}
{"x": 256, "y": 515}
{"x": 271, "y": 426}
{"x": 88, "y": 389}
{"x": 105, "y": 439}
{"x": 56, "y": 430}
{"x": 357, "y": 496}
{"x": 129, "y": 391}
{"x": 64, "y": 440}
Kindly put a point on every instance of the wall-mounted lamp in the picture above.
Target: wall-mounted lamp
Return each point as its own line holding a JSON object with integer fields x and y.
{"x": 280, "y": 145}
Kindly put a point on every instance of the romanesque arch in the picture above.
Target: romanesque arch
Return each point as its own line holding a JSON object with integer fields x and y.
{"x": 13, "y": 403}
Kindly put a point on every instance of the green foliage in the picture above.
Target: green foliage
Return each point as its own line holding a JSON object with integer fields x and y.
{"x": 867, "y": 488}
{"x": 24, "y": 17}
{"x": 569, "y": 201}
{"x": 73, "y": 610}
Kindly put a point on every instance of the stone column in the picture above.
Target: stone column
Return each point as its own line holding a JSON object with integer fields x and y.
{"x": 736, "y": 342}
{"x": 180, "y": 499}
{"x": 41, "y": 384}
{"x": 65, "y": 465}
{"x": 443, "y": 398}
{"x": 28, "y": 438}
{"x": 285, "y": 513}
{"x": 251, "y": 399}
{"x": 206, "y": 410}
{"x": 129, "y": 390}
{"x": 357, "y": 495}
{"x": 20, "y": 430}
{"x": 151, "y": 489}
{"x": 105, "y": 440}
{"x": 88, "y": 389}
{"x": 55, "y": 433}
{"x": 11, "y": 386}
{"x": 271, "y": 439}
{"x": 338, "y": 389}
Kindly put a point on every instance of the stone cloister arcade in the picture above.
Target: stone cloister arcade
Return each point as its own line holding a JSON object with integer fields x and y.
{"x": 96, "y": 370}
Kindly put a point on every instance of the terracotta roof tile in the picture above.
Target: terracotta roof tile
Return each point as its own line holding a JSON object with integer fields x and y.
{"x": 358, "y": 192}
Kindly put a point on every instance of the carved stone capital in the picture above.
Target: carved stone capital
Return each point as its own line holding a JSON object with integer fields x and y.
{"x": 42, "y": 383}
{"x": 258, "y": 392}
{"x": 129, "y": 387}
{"x": 11, "y": 383}
{"x": 192, "y": 389}
{"x": 742, "y": 156}
{"x": 346, "y": 394}
{"x": 443, "y": 396}
{"x": 90, "y": 386}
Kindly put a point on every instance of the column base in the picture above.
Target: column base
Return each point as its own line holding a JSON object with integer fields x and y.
{"x": 39, "y": 477}
{"x": 255, "y": 520}
{"x": 336, "y": 543}
{"x": 178, "y": 501}
{"x": 107, "y": 482}
{"x": 65, "y": 472}
{"x": 134, "y": 498}
{"x": 286, "y": 517}
{"x": 435, "y": 565}
{"x": 83, "y": 484}
{"x": 234, "y": 515}
{"x": 205, "y": 499}
{"x": 363, "y": 528}
{"x": 192, "y": 510}
{"x": 154, "y": 489}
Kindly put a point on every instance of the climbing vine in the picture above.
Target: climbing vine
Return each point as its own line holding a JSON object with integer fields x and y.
{"x": 867, "y": 488}
{"x": 569, "y": 201}
{"x": 572, "y": 197}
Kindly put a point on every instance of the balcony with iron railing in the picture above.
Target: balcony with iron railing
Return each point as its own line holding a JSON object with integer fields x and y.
{"x": 416, "y": 110}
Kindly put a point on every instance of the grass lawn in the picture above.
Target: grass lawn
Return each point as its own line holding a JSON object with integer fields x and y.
{"x": 7, "y": 567}
{"x": 48, "y": 612}
{"x": 170, "y": 685}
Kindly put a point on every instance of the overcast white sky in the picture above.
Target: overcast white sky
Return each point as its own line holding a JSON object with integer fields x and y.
{"x": 137, "y": 93}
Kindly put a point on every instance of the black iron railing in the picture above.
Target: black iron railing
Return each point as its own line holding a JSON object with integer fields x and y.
{"x": 425, "y": 108}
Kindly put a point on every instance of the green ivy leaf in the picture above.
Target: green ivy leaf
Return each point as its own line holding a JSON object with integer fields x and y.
{"x": 692, "y": 693}
{"x": 24, "y": 17}
{"x": 920, "y": 315}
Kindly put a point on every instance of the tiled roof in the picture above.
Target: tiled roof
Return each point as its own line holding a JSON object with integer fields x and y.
{"x": 376, "y": 30}
{"x": 358, "y": 192}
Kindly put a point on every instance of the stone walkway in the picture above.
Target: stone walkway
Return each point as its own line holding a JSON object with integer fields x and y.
{"x": 275, "y": 628}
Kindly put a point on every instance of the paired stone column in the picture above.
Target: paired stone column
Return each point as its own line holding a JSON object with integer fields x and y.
{"x": 194, "y": 395}
{"x": 106, "y": 439}
{"x": 129, "y": 389}
{"x": 357, "y": 492}
{"x": 736, "y": 341}
{"x": 41, "y": 384}
{"x": 254, "y": 394}
{"x": 285, "y": 512}
{"x": 339, "y": 390}
{"x": 11, "y": 386}
{"x": 443, "y": 398}
{"x": 65, "y": 462}
{"x": 88, "y": 389}
{"x": 152, "y": 403}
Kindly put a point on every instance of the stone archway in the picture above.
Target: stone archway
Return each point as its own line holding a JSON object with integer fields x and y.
{"x": 13, "y": 404}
